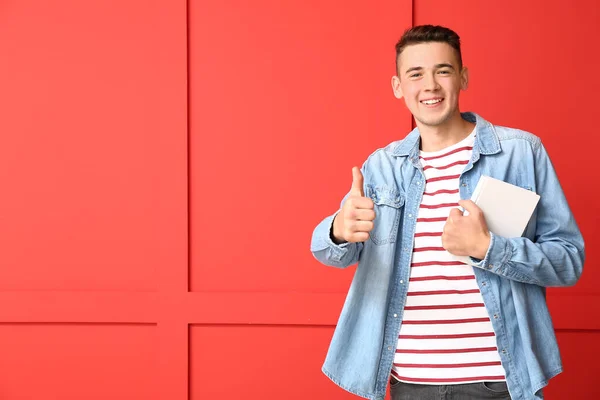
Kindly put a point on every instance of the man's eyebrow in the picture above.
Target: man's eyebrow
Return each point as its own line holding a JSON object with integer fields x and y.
{"x": 413, "y": 69}
{"x": 437, "y": 66}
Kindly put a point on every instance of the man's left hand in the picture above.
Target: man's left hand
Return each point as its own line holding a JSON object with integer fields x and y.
{"x": 466, "y": 235}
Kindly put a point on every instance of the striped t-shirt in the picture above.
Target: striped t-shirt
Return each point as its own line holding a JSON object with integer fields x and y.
{"x": 446, "y": 335}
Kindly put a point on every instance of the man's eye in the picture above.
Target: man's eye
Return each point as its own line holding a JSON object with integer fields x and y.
{"x": 415, "y": 75}
{"x": 444, "y": 72}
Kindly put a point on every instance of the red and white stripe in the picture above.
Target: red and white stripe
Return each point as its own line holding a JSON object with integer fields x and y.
{"x": 446, "y": 335}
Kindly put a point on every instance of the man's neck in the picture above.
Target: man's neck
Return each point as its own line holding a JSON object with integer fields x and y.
{"x": 434, "y": 138}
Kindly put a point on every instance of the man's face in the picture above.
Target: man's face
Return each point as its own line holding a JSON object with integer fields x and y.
{"x": 430, "y": 79}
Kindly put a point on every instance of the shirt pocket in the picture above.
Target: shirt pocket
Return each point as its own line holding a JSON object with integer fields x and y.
{"x": 388, "y": 207}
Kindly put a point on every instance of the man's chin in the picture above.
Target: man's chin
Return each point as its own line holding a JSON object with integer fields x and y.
{"x": 432, "y": 122}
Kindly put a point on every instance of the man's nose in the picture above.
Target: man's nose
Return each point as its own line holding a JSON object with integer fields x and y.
{"x": 431, "y": 83}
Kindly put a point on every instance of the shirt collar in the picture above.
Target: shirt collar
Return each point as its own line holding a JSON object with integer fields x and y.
{"x": 486, "y": 139}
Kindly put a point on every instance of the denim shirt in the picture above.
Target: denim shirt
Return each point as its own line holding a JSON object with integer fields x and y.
{"x": 512, "y": 277}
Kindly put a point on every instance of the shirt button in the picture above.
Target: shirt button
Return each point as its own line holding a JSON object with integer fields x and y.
{"x": 389, "y": 347}
{"x": 503, "y": 351}
{"x": 483, "y": 284}
{"x": 464, "y": 184}
{"x": 401, "y": 281}
{"x": 409, "y": 215}
{"x": 495, "y": 316}
{"x": 395, "y": 315}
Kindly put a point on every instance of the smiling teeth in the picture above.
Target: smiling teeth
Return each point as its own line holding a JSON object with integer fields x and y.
{"x": 430, "y": 102}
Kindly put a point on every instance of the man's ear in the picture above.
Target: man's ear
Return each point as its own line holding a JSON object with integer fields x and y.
{"x": 396, "y": 87}
{"x": 464, "y": 78}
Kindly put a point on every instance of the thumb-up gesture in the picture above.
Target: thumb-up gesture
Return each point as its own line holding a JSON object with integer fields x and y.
{"x": 355, "y": 220}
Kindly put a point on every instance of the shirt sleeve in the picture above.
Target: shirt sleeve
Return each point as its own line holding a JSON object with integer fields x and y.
{"x": 556, "y": 255}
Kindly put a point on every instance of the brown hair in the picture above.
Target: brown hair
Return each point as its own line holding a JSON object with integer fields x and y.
{"x": 429, "y": 33}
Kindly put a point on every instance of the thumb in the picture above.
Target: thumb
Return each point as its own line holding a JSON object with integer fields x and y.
{"x": 469, "y": 206}
{"x": 357, "y": 183}
{"x": 455, "y": 213}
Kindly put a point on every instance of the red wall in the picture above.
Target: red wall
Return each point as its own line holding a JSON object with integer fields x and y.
{"x": 163, "y": 165}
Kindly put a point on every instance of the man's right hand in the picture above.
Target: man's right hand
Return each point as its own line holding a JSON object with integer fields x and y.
{"x": 355, "y": 220}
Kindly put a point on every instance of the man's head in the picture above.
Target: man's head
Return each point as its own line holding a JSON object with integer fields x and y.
{"x": 430, "y": 74}
{"x": 427, "y": 34}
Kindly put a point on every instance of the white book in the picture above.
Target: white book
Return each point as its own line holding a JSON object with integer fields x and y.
{"x": 507, "y": 208}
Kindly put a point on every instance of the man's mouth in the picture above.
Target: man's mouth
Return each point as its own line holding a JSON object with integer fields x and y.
{"x": 431, "y": 101}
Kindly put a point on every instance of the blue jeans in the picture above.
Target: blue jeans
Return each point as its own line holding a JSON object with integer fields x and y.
{"x": 469, "y": 391}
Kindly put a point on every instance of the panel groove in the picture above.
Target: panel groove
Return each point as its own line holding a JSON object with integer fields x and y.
{"x": 238, "y": 325}
{"x": 188, "y": 147}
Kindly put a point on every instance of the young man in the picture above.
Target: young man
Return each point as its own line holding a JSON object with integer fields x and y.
{"x": 435, "y": 327}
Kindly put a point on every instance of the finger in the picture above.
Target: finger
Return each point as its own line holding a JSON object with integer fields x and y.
{"x": 363, "y": 214}
{"x": 447, "y": 227}
{"x": 358, "y": 237}
{"x": 443, "y": 239}
{"x": 361, "y": 226}
{"x": 469, "y": 206}
{"x": 357, "y": 183}
{"x": 455, "y": 214}
{"x": 363, "y": 203}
